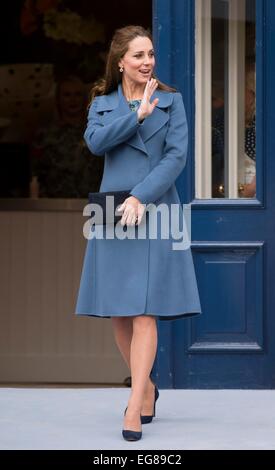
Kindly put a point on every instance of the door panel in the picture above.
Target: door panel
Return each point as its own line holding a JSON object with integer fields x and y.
{"x": 230, "y": 345}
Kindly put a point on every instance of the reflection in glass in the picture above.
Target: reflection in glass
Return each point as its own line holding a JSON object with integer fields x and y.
{"x": 249, "y": 188}
{"x": 226, "y": 35}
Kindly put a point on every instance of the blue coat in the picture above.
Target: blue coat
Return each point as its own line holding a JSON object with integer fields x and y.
{"x": 126, "y": 277}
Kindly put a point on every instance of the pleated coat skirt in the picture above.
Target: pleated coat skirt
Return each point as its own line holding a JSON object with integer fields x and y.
{"x": 139, "y": 275}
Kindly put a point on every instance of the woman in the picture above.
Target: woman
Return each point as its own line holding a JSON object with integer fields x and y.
{"x": 139, "y": 124}
{"x": 249, "y": 188}
{"x": 61, "y": 161}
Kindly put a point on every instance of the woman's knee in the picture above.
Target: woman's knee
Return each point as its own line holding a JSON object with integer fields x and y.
{"x": 144, "y": 321}
{"x": 121, "y": 321}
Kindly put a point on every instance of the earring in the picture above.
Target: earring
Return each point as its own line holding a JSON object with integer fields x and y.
{"x": 121, "y": 69}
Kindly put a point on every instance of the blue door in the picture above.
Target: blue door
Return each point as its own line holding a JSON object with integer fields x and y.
{"x": 220, "y": 55}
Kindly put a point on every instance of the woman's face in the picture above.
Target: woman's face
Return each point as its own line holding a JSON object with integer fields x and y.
{"x": 71, "y": 98}
{"x": 139, "y": 61}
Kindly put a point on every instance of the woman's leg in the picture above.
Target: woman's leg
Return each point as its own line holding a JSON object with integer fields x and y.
{"x": 142, "y": 356}
{"x": 123, "y": 333}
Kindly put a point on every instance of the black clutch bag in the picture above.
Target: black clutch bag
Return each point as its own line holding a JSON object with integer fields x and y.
{"x": 110, "y": 216}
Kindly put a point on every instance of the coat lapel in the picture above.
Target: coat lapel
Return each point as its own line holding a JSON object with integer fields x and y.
{"x": 116, "y": 105}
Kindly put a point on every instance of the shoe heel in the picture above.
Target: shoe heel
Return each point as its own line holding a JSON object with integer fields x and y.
{"x": 156, "y": 397}
{"x": 145, "y": 419}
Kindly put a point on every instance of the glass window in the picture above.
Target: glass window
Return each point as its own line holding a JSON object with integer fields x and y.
{"x": 225, "y": 99}
{"x": 53, "y": 51}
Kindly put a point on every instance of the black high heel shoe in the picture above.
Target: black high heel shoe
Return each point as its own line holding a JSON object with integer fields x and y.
{"x": 145, "y": 419}
{"x": 130, "y": 435}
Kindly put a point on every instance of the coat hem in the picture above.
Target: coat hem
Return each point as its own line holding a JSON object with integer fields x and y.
{"x": 159, "y": 315}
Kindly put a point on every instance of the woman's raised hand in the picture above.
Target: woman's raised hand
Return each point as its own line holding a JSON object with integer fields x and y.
{"x": 146, "y": 108}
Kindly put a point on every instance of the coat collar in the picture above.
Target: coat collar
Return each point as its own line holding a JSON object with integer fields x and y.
{"x": 117, "y": 105}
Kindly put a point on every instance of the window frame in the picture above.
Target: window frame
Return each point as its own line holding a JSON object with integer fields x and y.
{"x": 202, "y": 103}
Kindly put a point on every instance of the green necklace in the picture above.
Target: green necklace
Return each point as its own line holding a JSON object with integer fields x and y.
{"x": 134, "y": 104}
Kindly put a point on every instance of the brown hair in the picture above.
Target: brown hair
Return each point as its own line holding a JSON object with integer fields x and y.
{"x": 119, "y": 47}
